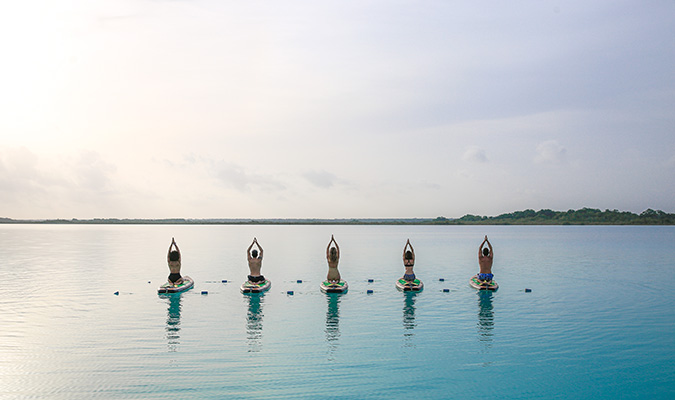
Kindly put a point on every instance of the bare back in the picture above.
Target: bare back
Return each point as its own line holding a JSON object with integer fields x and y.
{"x": 254, "y": 263}
{"x": 485, "y": 261}
{"x": 485, "y": 264}
{"x": 333, "y": 258}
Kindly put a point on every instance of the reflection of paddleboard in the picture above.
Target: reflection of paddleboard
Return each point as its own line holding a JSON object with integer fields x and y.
{"x": 334, "y": 287}
{"x": 173, "y": 288}
{"x": 409, "y": 286}
{"x": 248, "y": 287}
{"x": 482, "y": 285}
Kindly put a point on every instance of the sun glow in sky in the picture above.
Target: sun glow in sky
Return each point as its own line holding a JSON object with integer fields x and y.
{"x": 332, "y": 109}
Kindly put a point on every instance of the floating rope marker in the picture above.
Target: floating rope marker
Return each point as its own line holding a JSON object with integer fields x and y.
{"x": 116, "y": 293}
{"x": 224, "y": 280}
{"x": 299, "y": 280}
{"x": 371, "y": 280}
{"x": 205, "y": 292}
{"x": 441, "y": 279}
{"x": 369, "y": 291}
{"x": 528, "y": 290}
{"x": 446, "y": 290}
{"x": 290, "y": 292}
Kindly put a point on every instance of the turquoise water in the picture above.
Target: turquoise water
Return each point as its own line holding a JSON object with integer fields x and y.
{"x": 599, "y": 322}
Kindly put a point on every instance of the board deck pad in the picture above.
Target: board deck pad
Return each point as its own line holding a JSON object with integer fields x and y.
{"x": 409, "y": 286}
{"x": 482, "y": 285}
{"x": 170, "y": 287}
{"x": 334, "y": 287}
{"x": 258, "y": 287}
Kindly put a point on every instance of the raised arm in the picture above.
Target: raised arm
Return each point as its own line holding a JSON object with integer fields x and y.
{"x": 337, "y": 248}
{"x": 492, "y": 253}
{"x": 480, "y": 248}
{"x": 177, "y": 249}
{"x": 248, "y": 251}
{"x": 168, "y": 253}
{"x": 259, "y": 247}
{"x": 405, "y": 248}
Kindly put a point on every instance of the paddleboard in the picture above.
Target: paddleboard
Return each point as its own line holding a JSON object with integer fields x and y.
{"x": 482, "y": 285}
{"x": 170, "y": 287}
{"x": 333, "y": 287}
{"x": 409, "y": 286}
{"x": 258, "y": 287}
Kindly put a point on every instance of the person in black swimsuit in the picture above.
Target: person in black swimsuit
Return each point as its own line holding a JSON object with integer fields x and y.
{"x": 173, "y": 258}
{"x": 255, "y": 262}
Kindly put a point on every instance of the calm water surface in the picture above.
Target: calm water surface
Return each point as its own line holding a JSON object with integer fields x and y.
{"x": 599, "y": 322}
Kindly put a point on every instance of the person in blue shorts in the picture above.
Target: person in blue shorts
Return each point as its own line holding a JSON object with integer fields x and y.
{"x": 485, "y": 258}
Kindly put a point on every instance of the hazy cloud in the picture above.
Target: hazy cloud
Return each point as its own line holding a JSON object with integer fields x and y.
{"x": 243, "y": 181}
{"x": 322, "y": 179}
{"x": 32, "y": 181}
{"x": 475, "y": 154}
{"x": 92, "y": 172}
{"x": 550, "y": 152}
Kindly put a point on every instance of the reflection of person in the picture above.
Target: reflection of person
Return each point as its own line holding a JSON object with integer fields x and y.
{"x": 332, "y": 325}
{"x": 255, "y": 262}
{"x": 408, "y": 261}
{"x": 485, "y": 258}
{"x": 173, "y": 258}
{"x": 486, "y": 317}
{"x": 333, "y": 257}
{"x": 409, "y": 313}
{"x": 173, "y": 322}
{"x": 254, "y": 320}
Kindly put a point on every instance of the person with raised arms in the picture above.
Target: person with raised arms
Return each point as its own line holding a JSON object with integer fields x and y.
{"x": 175, "y": 283}
{"x": 255, "y": 262}
{"x": 333, "y": 258}
{"x": 409, "y": 283}
{"x": 485, "y": 258}
{"x": 409, "y": 262}
{"x": 173, "y": 259}
{"x": 333, "y": 282}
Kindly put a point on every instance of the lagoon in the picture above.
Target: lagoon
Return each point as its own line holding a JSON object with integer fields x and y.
{"x": 599, "y": 322}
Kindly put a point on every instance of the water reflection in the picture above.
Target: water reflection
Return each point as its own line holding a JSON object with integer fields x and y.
{"x": 254, "y": 319}
{"x": 409, "y": 323}
{"x": 486, "y": 317}
{"x": 332, "y": 323}
{"x": 173, "y": 320}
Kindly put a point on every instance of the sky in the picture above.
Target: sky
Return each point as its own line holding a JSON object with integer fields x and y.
{"x": 334, "y": 109}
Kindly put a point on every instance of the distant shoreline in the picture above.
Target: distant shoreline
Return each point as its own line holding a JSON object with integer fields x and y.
{"x": 584, "y": 216}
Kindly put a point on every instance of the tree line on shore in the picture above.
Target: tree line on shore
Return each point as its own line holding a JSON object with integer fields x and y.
{"x": 584, "y": 216}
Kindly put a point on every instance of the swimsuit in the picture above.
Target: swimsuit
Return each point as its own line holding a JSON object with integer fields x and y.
{"x": 256, "y": 279}
{"x": 409, "y": 278}
{"x": 174, "y": 277}
{"x": 485, "y": 277}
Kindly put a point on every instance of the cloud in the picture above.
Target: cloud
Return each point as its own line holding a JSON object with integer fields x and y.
{"x": 21, "y": 174}
{"x": 550, "y": 152}
{"x": 320, "y": 179}
{"x": 475, "y": 154}
{"x": 73, "y": 183}
{"x": 92, "y": 173}
{"x": 235, "y": 176}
